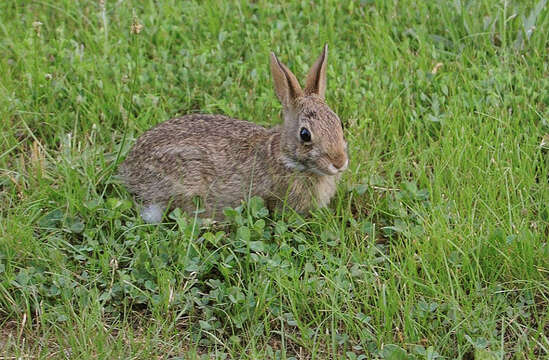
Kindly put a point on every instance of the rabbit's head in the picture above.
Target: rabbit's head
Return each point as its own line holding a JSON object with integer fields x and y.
{"x": 312, "y": 135}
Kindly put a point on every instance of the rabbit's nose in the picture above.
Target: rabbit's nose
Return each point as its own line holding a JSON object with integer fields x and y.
{"x": 341, "y": 163}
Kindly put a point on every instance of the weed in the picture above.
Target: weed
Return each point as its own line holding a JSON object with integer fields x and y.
{"x": 435, "y": 245}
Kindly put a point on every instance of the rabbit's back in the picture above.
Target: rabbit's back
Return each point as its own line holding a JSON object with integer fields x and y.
{"x": 209, "y": 156}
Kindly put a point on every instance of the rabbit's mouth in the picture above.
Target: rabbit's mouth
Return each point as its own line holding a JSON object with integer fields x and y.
{"x": 295, "y": 164}
{"x": 320, "y": 172}
{"x": 330, "y": 169}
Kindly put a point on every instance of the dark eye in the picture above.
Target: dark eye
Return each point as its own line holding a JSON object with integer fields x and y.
{"x": 305, "y": 135}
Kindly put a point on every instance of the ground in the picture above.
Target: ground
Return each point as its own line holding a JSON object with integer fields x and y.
{"x": 434, "y": 246}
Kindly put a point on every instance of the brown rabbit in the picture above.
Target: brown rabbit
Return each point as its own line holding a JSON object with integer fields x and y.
{"x": 224, "y": 161}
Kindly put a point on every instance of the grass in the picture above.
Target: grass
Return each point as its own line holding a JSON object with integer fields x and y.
{"x": 435, "y": 246}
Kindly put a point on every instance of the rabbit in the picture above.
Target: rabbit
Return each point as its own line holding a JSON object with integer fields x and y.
{"x": 224, "y": 161}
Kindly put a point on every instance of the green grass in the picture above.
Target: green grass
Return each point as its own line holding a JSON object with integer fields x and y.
{"x": 436, "y": 244}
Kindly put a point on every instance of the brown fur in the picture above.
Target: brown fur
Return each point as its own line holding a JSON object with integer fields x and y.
{"x": 224, "y": 160}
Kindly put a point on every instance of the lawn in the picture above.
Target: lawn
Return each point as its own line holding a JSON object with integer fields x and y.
{"x": 435, "y": 246}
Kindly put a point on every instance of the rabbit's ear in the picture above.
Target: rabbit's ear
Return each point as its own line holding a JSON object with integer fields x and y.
{"x": 316, "y": 79}
{"x": 286, "y": 85}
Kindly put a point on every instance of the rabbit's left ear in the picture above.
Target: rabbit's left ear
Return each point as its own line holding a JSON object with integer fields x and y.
{"x": 286, "y": 85}
{"x": 316, "y": 79}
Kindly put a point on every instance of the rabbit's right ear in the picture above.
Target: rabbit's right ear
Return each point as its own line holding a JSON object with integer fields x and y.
{"x": 287, "y": 87}
{"x": 316, "y": 79}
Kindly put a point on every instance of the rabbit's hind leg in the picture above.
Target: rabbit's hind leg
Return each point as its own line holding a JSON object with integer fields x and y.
{"x": 152, "y": 213}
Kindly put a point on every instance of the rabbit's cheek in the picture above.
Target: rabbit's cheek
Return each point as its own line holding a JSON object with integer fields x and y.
{"x": 293, "y": 164}
{"x": 312, "y": 154}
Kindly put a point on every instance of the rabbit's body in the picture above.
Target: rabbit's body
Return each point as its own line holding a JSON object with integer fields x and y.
{"x": 201, "y": 155}
{"x": 224, "y": 161}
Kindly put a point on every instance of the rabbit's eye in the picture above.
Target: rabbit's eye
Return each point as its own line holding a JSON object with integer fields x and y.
{"x": 305, "y": 135}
